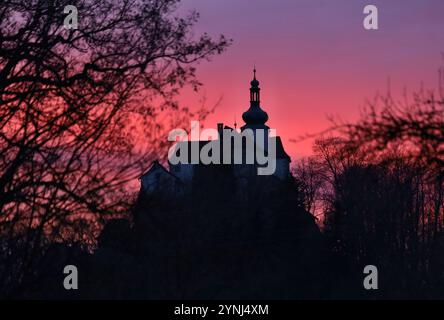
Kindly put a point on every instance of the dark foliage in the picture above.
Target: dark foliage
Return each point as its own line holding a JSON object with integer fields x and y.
{"x": 80, "y": 114}
{"x": 204, "y": 249}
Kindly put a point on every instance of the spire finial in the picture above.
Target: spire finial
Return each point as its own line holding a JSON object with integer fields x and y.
{"x": 254, "y": 117}
{"x": 254, "y": 83}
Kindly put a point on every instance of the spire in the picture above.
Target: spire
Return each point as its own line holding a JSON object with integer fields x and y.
{"x": 254, "y": 90}
{"x": 255, "y": 116}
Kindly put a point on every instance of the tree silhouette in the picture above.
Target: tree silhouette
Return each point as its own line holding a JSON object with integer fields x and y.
{"x": 382, "y": 196}
{"x": 415, "y": 125}
{"x": 81, "y": 111}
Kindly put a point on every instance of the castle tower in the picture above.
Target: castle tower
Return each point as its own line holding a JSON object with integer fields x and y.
{"x": 255, "y": 117}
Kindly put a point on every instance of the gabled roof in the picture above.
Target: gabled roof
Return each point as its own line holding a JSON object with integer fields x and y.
{"x": 280, "y": 151}
{"x": 157, "y": 165}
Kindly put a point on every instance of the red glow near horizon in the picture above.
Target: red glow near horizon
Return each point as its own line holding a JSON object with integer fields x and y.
{"x": 314, "y": 59}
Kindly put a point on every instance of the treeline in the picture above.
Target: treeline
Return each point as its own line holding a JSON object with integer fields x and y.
{"x": 81, "y": 115}
{"x": 376, "y": 187}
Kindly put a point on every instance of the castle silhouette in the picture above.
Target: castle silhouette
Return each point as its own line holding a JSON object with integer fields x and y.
{"x": 199, "y": 231}
{"x": 185, "y": 176}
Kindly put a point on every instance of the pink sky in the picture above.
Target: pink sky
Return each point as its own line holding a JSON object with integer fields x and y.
{"x": 314, "y": 58}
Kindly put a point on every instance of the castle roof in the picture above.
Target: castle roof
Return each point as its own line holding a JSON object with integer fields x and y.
{"x": 255, "y": 117}
{"x": 280, "y": 151}
{"x": 157, "y": 166}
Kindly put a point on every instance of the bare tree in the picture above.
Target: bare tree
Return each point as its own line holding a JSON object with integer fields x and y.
{"x": 312, "y": 176}
{"x": 82, "y": 111}
{"x": 414, "y": 125}
{"x": 414, "y": 128}
{"x": 384, "y": 196}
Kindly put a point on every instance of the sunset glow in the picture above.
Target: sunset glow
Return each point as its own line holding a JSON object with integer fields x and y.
{"x": 315, "y": 59}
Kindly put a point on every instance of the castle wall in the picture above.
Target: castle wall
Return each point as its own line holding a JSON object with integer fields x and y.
{"x": 158, "y": 182}
{"x": 184, "y": 172}
{"x": 282, "y": 169}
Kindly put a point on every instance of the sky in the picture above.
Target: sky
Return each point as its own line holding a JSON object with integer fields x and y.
{"x": 314, "y": 59}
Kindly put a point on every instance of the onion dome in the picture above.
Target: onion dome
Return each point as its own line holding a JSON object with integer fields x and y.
{"x": 255, "y": 116}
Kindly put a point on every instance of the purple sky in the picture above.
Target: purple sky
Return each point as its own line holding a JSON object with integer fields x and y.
{"x": 314, "y": 58}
